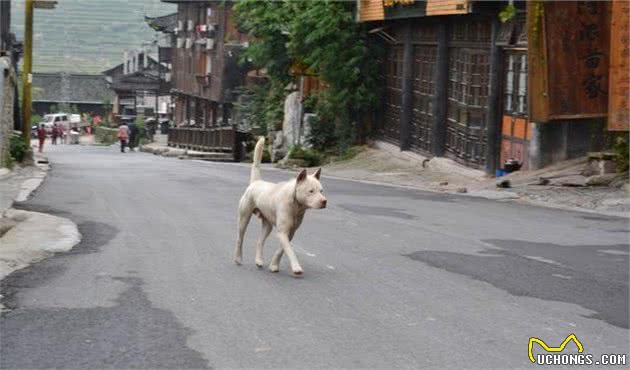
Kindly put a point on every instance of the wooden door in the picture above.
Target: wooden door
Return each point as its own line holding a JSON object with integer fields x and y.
{"x": 393, "y": 94}
{"x": 469, "y": 85}
{"x": 424, "y": 57}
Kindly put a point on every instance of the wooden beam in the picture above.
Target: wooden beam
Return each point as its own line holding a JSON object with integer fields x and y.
{"x": 493, "y": 138}
{"x": 407, "y": 88}
{"x": 537, "y": 79}
{"x": 440, "y": 99}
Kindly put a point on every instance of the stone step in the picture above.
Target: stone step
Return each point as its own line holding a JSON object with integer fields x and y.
{"x": 211, "y": 156}
{"x": 160, "y": 139}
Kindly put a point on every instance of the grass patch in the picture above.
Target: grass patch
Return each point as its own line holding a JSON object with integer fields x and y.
{"x": 310, "y": 157}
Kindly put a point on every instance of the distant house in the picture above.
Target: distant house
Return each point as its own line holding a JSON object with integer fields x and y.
{"x": 140, "y": 85}
{"x": 89, "y": 93}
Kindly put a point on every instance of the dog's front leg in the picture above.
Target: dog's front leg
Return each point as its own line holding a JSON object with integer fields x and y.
{"x": 286, "y": 246}
{"x": 274, "y": 266}
{"x": 266, "y": 230}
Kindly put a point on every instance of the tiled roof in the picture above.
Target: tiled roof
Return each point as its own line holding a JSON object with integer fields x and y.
{"x": 71, "y": 88}
{"x": 165, "y": 23}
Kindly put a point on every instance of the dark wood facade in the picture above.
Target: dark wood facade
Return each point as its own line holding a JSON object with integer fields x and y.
{"x": 207, "y": 75}
{"x": 205, "y": 60}
{"x": 468, "y": 87}
{"x": 437, "y": 86}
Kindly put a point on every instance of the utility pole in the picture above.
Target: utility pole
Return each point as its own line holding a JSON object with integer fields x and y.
{"x": 27, "y": 67}
{"x": 27, "y": 70}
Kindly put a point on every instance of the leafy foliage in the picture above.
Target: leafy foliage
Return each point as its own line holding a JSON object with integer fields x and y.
{"x": 262, "y": 106}
{"x": 36, "y": 119}
{"x": 322, "y": 38}
{"x": 322, "y": 134}
{"x": 17, "y": 148}
{"x": 311, "y": 157}
{"x": 508, "y": 13}
{"x": 622, "y": 153}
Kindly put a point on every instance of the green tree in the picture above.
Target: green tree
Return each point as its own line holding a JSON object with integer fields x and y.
{"x": 323, "y": 38}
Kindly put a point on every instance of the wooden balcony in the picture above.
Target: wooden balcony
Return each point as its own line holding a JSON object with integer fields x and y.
{"x": 224, "y": 139}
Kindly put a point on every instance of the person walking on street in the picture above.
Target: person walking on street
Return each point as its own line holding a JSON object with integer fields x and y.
{"x": 62, "y": 134}
{"x": 123, "y": 136}
{"x": 55, "y": 134}
{"x": 41, "y": 136}
{"x": 133, "y": 135}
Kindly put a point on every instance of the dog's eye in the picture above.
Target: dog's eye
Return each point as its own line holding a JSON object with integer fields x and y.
{"x": 311, "y": 191}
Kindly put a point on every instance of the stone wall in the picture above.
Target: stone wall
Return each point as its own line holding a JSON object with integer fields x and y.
{"x": 8, "y": 80}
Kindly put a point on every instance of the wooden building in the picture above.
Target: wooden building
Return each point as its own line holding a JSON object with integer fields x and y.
{"x": 456, "y": 81}
{"x": 140, "y": 85}
{"x": 207, "y": 74}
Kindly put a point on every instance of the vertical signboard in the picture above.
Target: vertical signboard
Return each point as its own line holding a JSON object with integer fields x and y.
{"x": 619, "y": 85}
{"x": 568, "y": 59}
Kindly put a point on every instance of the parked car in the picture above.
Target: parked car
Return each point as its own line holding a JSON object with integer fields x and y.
{"x": 68, "y": 121}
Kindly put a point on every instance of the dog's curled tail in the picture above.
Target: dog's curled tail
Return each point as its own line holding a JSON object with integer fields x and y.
{"x": 258, "y": 154}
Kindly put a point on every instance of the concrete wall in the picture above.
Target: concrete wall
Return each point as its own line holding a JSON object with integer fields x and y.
{"x": 561, "y": 140}
{"x": 8, "y": 80}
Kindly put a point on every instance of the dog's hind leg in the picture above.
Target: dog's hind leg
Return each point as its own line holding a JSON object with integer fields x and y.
{"x": 266, "y": 230}
{"x": 244, "y": 215}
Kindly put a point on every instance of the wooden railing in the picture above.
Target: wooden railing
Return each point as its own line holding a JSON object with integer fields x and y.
{"x": 217, "y": 139}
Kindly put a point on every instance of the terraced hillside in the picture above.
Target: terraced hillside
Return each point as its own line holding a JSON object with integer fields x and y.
{"x": 87, "y": 36}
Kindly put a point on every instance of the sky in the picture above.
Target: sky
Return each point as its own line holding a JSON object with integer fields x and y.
{"x": 87, "y": 36}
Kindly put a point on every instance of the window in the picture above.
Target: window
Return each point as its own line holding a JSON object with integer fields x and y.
{"x": 515, "y": 83}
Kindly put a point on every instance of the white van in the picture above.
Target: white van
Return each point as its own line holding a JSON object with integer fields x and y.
{"x": 66, "y": 120}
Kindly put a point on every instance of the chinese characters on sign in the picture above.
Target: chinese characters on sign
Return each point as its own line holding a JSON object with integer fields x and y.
{"x": 619, "y": 111}
{"x": 568, "y": 55}
{"x": 589, "y": 34}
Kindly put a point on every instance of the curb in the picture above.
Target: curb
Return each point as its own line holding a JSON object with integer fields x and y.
{"x": 480, "y": 194}
{"x": 35, "y": 236}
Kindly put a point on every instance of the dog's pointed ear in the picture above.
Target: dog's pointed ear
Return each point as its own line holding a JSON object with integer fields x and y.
{"x": 318, "y": 173}
{"x": 301, "y": 176}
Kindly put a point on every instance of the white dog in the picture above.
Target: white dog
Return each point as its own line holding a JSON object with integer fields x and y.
{"x": 281, "y": 205}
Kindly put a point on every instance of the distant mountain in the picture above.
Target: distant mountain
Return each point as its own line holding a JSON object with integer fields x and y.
{"x": 87, "y": 36}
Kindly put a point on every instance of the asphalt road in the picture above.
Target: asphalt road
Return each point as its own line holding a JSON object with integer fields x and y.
{"x": 394, "y": 278}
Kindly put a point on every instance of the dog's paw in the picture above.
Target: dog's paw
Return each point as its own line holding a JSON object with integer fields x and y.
{"x": 298, "y": 271}
{"x": 274, "y": 268}
{"x": 237, "y": 261}
{"x": 259, "y": 265}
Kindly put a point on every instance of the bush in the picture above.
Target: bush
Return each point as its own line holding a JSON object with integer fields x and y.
{"x": 36, "y": 119}
{"x": 17, "y": 148}
{"x": 621, "y": 153}
{"x": 105, "y": 135}
{"x": 310, "y": 157}
{"x": 322, "y": 134}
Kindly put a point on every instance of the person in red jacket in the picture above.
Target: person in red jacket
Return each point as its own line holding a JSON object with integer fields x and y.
{"x": 55, "y": 134}
{"x": 123, "y": 136}
{"x": 41, "y": 136}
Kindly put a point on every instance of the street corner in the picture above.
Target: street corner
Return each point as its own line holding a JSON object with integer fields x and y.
{"x": 30, "y": 237}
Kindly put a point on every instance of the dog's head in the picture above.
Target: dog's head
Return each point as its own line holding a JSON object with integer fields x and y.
{"x": 309, "y": 191}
